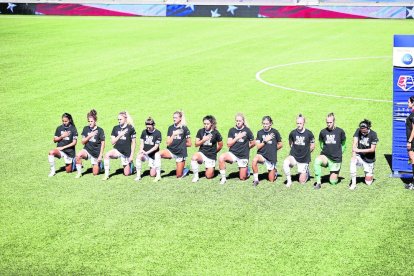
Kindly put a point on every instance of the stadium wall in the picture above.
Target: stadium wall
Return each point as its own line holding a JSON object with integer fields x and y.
{"x": 285, "y": 10}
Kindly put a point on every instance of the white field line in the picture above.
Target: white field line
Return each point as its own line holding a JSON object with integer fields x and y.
{"x": 259, "y": 78}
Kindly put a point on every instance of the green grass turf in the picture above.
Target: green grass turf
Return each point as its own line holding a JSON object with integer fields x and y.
{"x": 154, "y": 66}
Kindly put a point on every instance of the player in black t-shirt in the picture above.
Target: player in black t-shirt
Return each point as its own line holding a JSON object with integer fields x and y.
{"x": 93, "y": 137}
{"x": 149, "y": 150}
{"x": 66, "y": 137}
{"x": 268, "y": 142}
{"x": 178, "y": 139}
{"x": 302, "y": 143}
{"x": 123, "y": 139}
{"x": 239, "y": 140}
{"x": 332, "y": 141}
{"x": 409, "y": 126}
{"x": 210, "y": 142}
{"x": 363, "y": 152}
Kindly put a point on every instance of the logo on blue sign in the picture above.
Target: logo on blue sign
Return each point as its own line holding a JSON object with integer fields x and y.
{"x": 405, "y": 82}
{"x": 407, "y": 59}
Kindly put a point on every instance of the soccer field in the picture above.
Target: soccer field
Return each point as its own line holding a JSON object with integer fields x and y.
{"x": 155, "y": 66}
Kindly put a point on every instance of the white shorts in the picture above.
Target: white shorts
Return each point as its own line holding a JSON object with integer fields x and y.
{"x": 242, "y": 163}
{"x": 151, "y": 161}
{"x": 368, "y": 167}
{"x": 66, "y": 158}
{"x": 94, "y": 161}
{"x": 209, "y": 163}
{"x": 178, "y": 159}
{"x": 269, "y": 165}
{"x": 124, "y": 159}
{"x": 302, "y": 167}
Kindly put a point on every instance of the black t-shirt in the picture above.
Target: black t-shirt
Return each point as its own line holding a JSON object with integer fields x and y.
{"x": 241, "y": 148}
{"x": 123, "y": 145}
{"x": 67, "y": 140}
{"x": 365, "y": 142}
{"x": 93, "y": 146}
{"x": 300, "y": 145}
{"x": 178, "y": 145}
{"x": 332, "y": 143}
{"x": 209, "y": 147}
{"x": 409, "y": 125}
{"x": 150, "y": 140}
{"x": 269, "y": 150}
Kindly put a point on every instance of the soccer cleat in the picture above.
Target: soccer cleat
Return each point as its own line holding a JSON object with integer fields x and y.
{"x": 157, "y": 178}
{"x": 185, "y": 172}
{"x": 79, "y": 175}
{"x": 288, "y": 184}
{"x": 255, "y": 183}
{"x": 352, "y": 186}
{"x": 248, "y": 172}
{"x": 138, "y": 178}
{"x": 51, "y": 174}
{"x": 317, "y": 186}
{"x": 223, "y": 181}
{"x": 105, "y": 178}
{"x": 409, "y": 186}
{"x": 195, "y": 179}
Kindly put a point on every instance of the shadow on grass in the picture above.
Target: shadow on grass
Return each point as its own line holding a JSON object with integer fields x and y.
{"x": 406, "y": 178}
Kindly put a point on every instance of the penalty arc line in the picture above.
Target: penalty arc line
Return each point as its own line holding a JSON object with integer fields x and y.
{"x": 259, "y": 78}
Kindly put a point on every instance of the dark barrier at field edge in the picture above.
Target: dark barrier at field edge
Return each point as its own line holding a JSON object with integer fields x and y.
{"x": 386, "y": 12}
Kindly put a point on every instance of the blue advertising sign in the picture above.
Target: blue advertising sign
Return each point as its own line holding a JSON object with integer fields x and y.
{"x": 403, "y": 88}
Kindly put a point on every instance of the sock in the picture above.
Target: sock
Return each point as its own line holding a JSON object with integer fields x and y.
{"x": 157, "y": 163}
{"x": 223, "y": 174}
{"x": 79, "y": 168}
{"x": 194, "y": 167}
{"x": 51, "y": 159}
{"x": 106, "y": 166}
{"x": 256, "y": 177}
{"x": 138, "y": 167}
{"x": 318, "y": 170}
{"x": 352, "y": 170}
{"x": 286, "y": 170}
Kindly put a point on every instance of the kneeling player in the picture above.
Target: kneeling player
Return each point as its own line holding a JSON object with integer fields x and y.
{"x": 268, "y": 142}
{"x": 149, "y": 150}
{"x": 123, "y": 140}
{"x": 66, "y": 137}
{"x": 210, "y": 142}
{"x": 302, "y": 143}
{"x": 363, "y": 153}
{"x": 178, "y": 139}
{"x": 332, "y": 141}
{"x": 240, "y": 140}
{"x": 93, "y": 137}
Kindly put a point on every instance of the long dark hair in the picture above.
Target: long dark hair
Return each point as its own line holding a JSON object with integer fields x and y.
{"x": 69, "y": 117}
{"x": 212, "y": 120}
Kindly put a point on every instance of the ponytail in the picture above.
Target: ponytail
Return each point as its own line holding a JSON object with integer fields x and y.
{"x": 128, "y": 117}
{"x": 69, "y": 117}
{"x": 182, "y": 116}
{"x": 243, "y": 117}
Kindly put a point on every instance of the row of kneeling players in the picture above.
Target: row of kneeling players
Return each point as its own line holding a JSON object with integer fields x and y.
{"x": 240, "y": 140}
